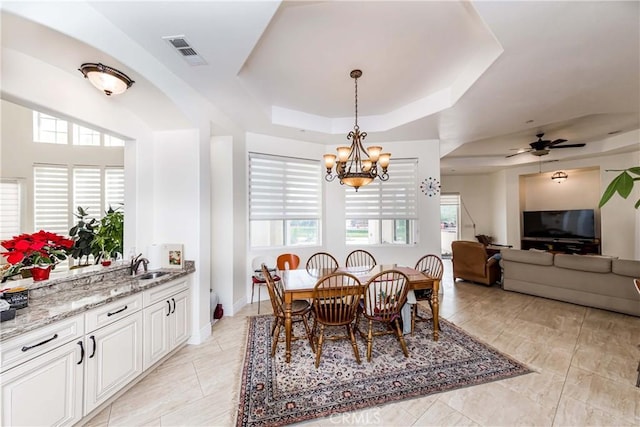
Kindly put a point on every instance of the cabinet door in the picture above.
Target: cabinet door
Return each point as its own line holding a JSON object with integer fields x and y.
{"x": 44, "y": 391}
{"x": 113, "y": 359}
{"x": 179, "y": 319}
{"x": 156, "y": 332}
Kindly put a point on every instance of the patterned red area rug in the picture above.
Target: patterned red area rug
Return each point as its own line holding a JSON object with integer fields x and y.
{"x": 274, "y": 393}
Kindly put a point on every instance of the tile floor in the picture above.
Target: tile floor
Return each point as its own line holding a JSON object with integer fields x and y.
{"x": 584, "y": 360}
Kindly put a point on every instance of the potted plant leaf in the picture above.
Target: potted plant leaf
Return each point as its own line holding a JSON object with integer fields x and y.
{"x": 83, "y": 235}
{"x": 108, "y": 239}
{"x": 621, "y": 184}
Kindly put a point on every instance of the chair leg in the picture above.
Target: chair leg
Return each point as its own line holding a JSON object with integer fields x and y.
{"x": 638, "y": 380}
{"x": 319, "y": 347}
{"x": 276, "y": 337}
{"x": 354, "y": 344}
{"x": 369, "y": 341}
{"x": 259, "y": 286}
{"x": 414, "y": 309}
{"x": 400, "y": 336}
{"x": 309, "y": 334}
{"x": 253, "y": 288}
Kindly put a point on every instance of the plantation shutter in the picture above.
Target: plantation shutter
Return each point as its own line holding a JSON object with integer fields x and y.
{"x": 114, "y": 188}
{"x": 10, "y": 198}
{"x": 87, "y": 191}
{"x": 392, "y": 199}
{"x": 51, "y": 199}
{"x": 283, "y": 188}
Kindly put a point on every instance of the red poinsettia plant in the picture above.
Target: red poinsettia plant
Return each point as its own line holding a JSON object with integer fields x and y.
{"x": 41, "y": 248}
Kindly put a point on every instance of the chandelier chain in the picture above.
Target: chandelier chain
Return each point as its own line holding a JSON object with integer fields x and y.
{"x": 356, "y": 97}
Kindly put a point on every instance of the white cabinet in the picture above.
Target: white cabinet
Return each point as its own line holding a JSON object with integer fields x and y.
{"x": 113, "y": 359}
{"x": 61, "y": 372}
{"x": 46, "y": 390}
{"x": 166, "y": 321}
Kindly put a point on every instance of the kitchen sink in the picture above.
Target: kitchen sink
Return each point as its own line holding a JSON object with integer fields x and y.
{"x": 152, "y": 275}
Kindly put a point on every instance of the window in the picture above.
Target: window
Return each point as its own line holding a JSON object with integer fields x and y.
{"x": 112, "y": 141}
{"x": 10, "y": 214}
{"x": 384, "y": 212}
{"x": 49, "y": 129}
{"x": 85, "y": 136}
{"x": 284, "y": 201}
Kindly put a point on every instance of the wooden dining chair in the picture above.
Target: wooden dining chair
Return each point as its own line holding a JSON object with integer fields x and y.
{"x": 432, "y": 266}
{"x": 322, "y": 261}
{"x": 360, "y": 258}
{"x": 335, "y": 304}
{"x": 287, "y": 261}
{"x": 300, "y": 310}
{"x": 384, "y": 295}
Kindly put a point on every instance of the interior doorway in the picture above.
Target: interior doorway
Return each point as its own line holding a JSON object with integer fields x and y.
{"x": 449, "y": 222}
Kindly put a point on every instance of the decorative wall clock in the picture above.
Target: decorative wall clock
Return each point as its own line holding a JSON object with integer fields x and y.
{"x": 430, "y": 186}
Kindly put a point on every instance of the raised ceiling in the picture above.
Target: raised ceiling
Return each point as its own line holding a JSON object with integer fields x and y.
{"x": 482, "y": 77}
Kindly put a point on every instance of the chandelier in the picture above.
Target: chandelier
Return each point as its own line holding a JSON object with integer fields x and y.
{"x": 357, "y": 166}
{"x": 107, "y": 79}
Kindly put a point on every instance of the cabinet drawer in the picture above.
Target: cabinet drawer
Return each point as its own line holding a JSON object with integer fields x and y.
{"x": 27, "y": 346}
{"x": 162, "y": 292}
{"x": 107, "y": 314}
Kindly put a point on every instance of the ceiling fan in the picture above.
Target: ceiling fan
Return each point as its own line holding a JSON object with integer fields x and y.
{"x": 541, "y": 147}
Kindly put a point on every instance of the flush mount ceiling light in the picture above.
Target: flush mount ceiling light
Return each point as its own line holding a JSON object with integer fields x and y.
{"x": 107, "y": 79}
{"x": 559, "y": 177}
{"x": 357, "y": 166}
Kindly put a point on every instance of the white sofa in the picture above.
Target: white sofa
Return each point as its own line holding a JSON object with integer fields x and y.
{"x": 592, "y": 281}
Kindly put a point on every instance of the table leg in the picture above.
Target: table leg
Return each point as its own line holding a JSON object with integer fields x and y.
{"x": 287, "y": 326}
{"x": 435, "y": 304}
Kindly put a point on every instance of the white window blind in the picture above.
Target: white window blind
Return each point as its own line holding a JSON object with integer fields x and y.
{"x": 87, "y": 186}
{"x": 114, "y": 188}
{"x": 49, "y": 129}
{"x": 51, "y": 199}
{"x": 283, "y": 188}
{"x": 85, "y": 136}
{"x": 449, "y": 199}
{"x": 10, "y": 201}
{"x": 392, "y": 199}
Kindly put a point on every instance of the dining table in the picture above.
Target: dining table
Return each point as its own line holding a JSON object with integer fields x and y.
{"x": 300, "y": 284}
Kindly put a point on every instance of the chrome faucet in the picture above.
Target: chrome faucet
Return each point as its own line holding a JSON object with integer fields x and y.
{"x": 135, "y": 264}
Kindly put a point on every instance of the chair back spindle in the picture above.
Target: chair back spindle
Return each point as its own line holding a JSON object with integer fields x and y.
{"x": 360, "y": 258}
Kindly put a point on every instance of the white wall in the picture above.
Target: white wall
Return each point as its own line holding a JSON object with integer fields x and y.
{"x": 477, "y": 195}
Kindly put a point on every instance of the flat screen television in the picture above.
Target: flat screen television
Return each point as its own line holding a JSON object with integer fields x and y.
{"x": 563, "y": 224}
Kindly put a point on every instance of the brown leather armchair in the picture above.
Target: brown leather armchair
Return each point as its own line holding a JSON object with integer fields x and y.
{"x": 471, "y": 262}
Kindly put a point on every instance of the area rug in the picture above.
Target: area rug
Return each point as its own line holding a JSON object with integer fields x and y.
{"x": 275, "y": 393}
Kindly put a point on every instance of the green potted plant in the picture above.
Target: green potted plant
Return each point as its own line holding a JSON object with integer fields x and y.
{"x": 83, "y": 234}
{"x": 621, "y": 184}
{"x": 108, "y": 239}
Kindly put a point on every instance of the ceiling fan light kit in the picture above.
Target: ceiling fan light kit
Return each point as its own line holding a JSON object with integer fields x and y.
{"x": 559, "y": 177}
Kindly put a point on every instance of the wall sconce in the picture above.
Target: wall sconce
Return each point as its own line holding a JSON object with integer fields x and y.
{"x": 559, "y": 177}
{"x": 107, "y": 79}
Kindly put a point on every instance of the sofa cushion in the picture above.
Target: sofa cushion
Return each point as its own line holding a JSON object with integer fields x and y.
{"x": 626, "y": 267}
{"x": 594, "y": 264}
{"x": 527, "y": 257}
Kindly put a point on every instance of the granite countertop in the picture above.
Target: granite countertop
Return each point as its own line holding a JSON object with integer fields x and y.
{"x": 75, "y": 292}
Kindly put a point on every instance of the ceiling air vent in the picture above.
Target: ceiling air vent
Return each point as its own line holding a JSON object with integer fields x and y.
{"x": 180, "y": 44}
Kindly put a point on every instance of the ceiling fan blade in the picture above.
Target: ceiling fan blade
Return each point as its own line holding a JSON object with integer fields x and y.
{"x": 557, "y": 141}
{"x": 567, "y": 146}
{"x": 519, "y": 152}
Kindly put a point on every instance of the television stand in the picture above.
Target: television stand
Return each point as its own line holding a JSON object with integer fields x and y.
{"x": 565, "y": 246}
